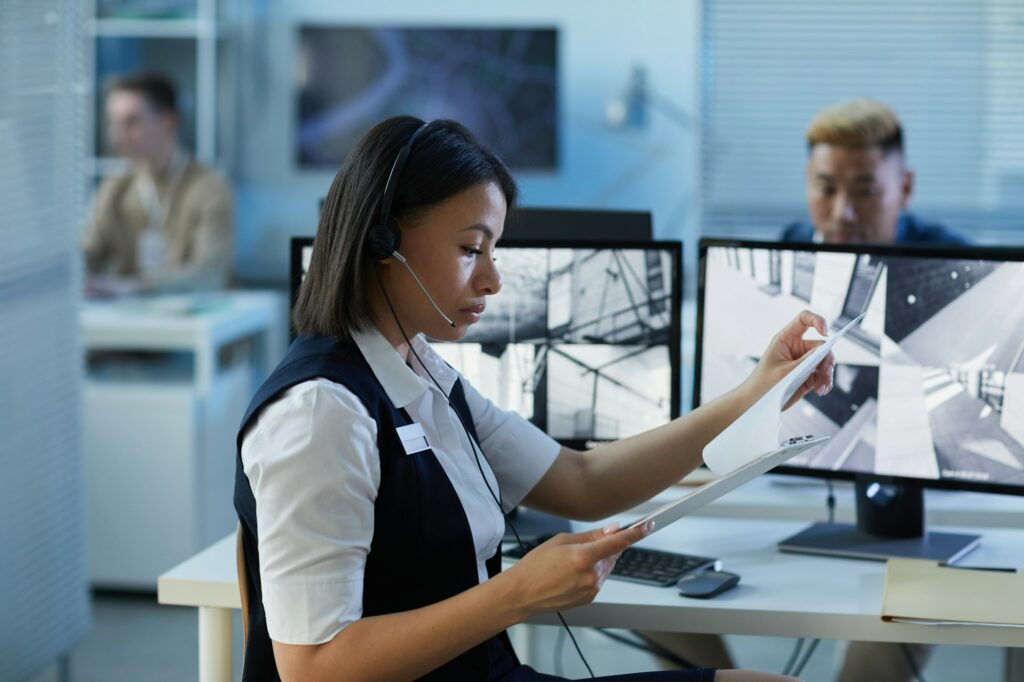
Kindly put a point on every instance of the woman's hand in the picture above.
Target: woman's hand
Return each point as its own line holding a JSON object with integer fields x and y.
{"x": 785, "y": 352}
{"x": 569, "y": 569}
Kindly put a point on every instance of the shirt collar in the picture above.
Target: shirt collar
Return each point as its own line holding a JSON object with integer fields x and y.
{"x": 403, "y": 382}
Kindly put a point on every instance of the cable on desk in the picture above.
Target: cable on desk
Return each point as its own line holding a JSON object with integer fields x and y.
{"x": 911, "y": 663}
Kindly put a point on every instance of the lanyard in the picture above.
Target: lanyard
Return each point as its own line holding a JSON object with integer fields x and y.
{"x": 151, "y": 246}
{"x": 156, "y": 212}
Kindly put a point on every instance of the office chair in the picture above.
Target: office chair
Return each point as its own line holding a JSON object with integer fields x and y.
{"x": 243, "y": 586}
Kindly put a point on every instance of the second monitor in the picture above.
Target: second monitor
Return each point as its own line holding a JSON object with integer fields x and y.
{"x": 929, "y": 387}
{"x": 583, "y": 339}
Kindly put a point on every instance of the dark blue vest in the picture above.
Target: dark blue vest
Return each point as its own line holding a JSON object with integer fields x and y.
{"x": 422, "y": 549}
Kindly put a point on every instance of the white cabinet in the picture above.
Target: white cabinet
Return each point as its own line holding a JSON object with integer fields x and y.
{"x": 167, "y": 383}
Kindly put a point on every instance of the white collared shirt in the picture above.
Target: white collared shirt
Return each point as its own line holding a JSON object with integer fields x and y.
{"x": 313, "y": 464}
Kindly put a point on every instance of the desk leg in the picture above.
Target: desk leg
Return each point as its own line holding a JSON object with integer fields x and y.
{"x": 214, "y": 644}
{"x": 521, "y": 636}
{"x": 1013, "y": 670}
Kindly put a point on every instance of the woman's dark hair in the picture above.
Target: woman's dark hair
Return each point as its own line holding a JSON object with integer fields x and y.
{"x": 445, "y": 160}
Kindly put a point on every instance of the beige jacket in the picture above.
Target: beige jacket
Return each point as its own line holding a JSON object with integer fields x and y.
{"x": 197, "y": 231}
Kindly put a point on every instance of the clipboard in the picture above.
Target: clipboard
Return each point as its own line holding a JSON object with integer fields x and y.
{"x": 677, "y": 509}
{"x": 929, "y": 593}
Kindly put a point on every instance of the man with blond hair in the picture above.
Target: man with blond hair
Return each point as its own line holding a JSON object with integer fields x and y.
{"x": 858, "y": 188}
{"x": 857, "y": 182}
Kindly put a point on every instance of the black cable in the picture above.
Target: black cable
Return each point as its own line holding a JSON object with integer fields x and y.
{"x": 793, "y": 656}
{"x": 830, "y": 501}
{"x": 807, "y": 657}
{"x": 911, "y": 663}
{"x": 475, "y": 449}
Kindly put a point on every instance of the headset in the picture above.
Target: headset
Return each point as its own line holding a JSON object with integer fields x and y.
{"x": 382, "y": 242}
{"x": 384, "y": 238}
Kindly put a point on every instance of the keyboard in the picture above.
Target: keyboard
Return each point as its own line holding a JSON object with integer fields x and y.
{"x": 640, "y": 565}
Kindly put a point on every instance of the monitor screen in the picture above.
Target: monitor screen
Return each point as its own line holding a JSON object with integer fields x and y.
{"x": 583, "y": 339}
{"x": 499, "y": 82}
{"x": 929, "y": 386}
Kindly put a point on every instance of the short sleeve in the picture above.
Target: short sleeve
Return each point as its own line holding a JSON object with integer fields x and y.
{"x": 313, "y": 465}
{"x": 518, "y": 452}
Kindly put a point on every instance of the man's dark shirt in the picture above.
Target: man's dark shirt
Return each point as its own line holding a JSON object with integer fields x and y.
{"x": 910, "y": 229}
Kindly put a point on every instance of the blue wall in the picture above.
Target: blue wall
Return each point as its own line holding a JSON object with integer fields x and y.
{"x": 650, "y": 168}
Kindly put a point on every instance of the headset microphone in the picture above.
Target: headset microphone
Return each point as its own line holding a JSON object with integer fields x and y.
{"x": 401, "y": 259}
{"x": 383, "y": 238}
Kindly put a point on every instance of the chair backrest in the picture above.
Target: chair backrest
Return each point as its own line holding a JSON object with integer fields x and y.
{"x": 243, "y": 585}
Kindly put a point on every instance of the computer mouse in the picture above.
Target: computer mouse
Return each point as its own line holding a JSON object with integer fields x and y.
{"x": 707, "y": 584}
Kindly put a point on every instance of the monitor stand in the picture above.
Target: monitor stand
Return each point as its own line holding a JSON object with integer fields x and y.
{"x": 890, "y": 523}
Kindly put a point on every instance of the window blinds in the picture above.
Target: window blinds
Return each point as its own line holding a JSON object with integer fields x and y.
{"x": 952, "y": 70}
{"x": 43, "y": 589}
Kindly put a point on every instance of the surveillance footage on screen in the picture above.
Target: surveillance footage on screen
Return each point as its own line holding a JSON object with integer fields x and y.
{"x": 578, "y": 341}
{"x": 929, "y": 385}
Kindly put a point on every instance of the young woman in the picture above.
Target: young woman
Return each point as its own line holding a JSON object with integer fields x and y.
{"x": 370, "y": 473}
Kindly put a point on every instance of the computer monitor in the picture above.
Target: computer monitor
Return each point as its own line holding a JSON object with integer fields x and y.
{"x": 928, "y": 389}
{"x": 573, "y": 224}
{"x": 583, "y": 339}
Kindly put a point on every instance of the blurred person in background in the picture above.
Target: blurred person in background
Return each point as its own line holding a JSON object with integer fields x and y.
{"x": 858, "y": 188}
{"x": 166, "y": 224}
{"x": 857, "y": 182}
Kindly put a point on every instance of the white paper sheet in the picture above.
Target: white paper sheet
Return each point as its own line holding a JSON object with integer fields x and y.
{"x": 689, "y": 503}
{"x": 757, "y": 430}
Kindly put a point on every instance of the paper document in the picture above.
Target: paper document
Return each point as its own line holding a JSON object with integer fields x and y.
{"x": 757, "y": 430}
{"x": 924, "y": 592}
{"x": 673, "y": 511}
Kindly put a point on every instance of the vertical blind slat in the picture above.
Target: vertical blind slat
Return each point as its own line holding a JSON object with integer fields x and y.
{"x": 43, "y": 583}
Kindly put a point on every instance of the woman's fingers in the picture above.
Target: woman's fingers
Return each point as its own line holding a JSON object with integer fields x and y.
{"x": 824, "y": 374}
{"x": 615, "y": 543}
{"x": 794, "y": 332}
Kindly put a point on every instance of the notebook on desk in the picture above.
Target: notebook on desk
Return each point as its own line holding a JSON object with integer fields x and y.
{"x": 926, "y": 592}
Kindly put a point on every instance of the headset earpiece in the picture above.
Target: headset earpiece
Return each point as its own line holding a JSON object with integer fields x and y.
{"x": 383, "y": 238}
{"x": 382, "y": 241}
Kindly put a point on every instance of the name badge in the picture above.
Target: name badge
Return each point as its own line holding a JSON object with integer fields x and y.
{"x": 413, "y": 439}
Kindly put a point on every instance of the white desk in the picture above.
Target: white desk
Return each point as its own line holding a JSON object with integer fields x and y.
{"x": 167, "y": 384}
{"x": 200, "y": 323}
{"x": 781, "y": 595}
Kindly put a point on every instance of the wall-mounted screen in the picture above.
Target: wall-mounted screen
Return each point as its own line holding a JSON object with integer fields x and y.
{"x": 499, "y": 82}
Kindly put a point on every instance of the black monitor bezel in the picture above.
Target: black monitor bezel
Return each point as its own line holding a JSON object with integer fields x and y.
{"x": 912, "y": 250}
{"x": 674, "y": 247}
